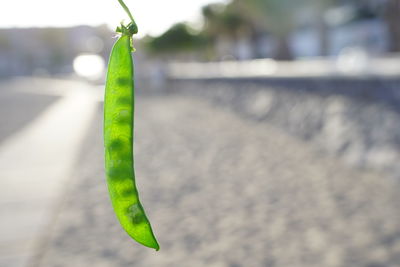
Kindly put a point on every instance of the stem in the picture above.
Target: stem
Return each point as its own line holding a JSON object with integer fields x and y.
{"x": 121, "y": 2}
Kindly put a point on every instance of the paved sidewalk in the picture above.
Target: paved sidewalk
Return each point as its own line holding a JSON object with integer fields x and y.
{"x": 35, "y": 164}
{"x": 222, "y": 191}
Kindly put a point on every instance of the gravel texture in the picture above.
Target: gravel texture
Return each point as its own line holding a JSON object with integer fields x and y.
{"x": 224, "y": 191}
{"x": 355, "y": 120}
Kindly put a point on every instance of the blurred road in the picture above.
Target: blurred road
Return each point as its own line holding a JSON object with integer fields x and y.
{"x": 221, "y": 190}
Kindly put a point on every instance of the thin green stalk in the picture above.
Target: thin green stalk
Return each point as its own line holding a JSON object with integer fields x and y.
{"x": 121, "y": 2}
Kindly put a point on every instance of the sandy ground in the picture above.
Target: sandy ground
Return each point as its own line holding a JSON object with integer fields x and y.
{"x": 224, "y": 191}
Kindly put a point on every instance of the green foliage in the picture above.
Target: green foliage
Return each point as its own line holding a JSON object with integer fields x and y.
{"x": 276, "y": 16}
{"x": 223, "y": 19}
{"x": 179, "y": 38}
{"x": 219, "y": 19}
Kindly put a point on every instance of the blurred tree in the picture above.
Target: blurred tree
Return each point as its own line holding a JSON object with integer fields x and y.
{"x": 179, "y": 38}
{"x": 279, "y": 17}
{"x": 253, "y": 19}
{"x": 274, "y": 16}
{"x": 223, "y": 21}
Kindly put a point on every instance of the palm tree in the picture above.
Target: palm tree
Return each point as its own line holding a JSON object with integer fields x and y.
{"x": 223, "y": 22}
{"x": 279, "y": 17}
{"x": 274, "y": 16}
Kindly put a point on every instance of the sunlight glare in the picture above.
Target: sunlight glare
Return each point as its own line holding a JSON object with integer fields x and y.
{"x": 89, "y": 66}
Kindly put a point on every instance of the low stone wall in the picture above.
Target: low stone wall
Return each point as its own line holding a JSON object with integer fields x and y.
{"x": 355, "y": 119}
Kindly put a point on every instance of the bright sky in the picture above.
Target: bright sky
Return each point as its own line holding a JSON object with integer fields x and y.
{"x": 152, "y": 16}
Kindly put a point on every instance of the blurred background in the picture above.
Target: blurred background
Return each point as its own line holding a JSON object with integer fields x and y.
{"x": 267, "y": 133}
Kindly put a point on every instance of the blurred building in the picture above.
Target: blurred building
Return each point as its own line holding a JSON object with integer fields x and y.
{"x": 369, "y": 35}
{"x": 346, "y": 25}
{"x": 49, "y": 51}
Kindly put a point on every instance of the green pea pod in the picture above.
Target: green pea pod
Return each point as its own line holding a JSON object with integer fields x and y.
{"x": 118, "y": 141}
